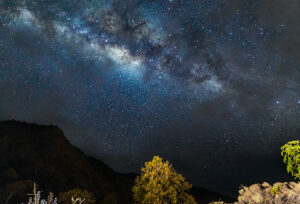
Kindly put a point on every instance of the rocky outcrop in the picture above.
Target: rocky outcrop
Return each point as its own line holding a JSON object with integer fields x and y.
{"x": 278, "y": 193}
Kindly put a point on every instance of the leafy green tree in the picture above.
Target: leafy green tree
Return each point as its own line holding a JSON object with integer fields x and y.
{"x": 160, "y": 184}
{"x": 291, "y": 156}
{"x": 76, "y": 196}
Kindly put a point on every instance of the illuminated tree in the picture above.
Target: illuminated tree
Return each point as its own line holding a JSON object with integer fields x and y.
{"x": 76, "y": 196}
{"x": 291, "y": 156}
{"x": 160, "y": 184}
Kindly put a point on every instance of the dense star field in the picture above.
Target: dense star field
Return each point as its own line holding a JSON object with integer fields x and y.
{"x": 211, "y": 85}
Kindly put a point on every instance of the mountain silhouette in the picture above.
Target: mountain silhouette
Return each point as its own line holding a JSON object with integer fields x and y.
{"x": 42, "y": 154}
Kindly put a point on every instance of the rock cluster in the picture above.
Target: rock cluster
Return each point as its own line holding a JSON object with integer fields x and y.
{"x": 287, "y": 193}
{"x": 279, "y": 193}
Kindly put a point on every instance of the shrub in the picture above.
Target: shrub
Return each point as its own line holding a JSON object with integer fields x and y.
{"x": 36, "y": 199}
{"x": 275, "y": 189}
{"x": 160, "y": 184}
{"x": 291, "y": 156}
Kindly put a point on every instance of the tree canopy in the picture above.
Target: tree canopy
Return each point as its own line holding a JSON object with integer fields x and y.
{"x": 159, "y": 183}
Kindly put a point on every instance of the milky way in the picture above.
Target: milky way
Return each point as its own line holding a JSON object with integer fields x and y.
{"x": 213, "y": 86}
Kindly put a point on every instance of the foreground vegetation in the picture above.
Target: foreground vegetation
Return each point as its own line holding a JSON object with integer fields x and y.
{"x": 160, "y": 184}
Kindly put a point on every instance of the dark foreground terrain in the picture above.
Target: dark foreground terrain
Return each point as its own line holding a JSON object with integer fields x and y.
{"x": 30, "y": 152}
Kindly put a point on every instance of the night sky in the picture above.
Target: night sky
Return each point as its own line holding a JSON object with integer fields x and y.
{"x": 213, "y": 86}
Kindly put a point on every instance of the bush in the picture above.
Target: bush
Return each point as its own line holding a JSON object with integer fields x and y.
{"x": 37, "y": 197}
{"x": 275, "y": 189}
{"x": 291, "y": 156}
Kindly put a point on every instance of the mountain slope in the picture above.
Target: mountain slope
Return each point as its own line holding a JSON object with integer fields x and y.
{"x": 42, "y": 153}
